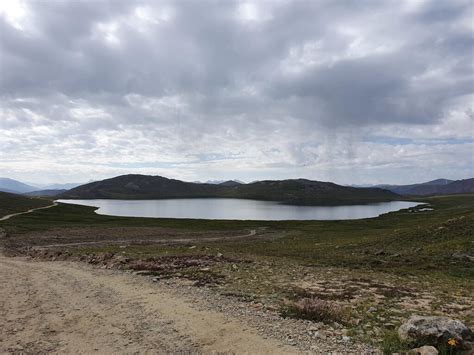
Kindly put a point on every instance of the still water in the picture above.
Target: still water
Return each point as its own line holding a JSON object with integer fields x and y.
{"x": 228, "y": 208}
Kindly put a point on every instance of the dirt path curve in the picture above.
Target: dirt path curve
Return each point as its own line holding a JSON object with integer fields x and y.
{"x": 251, "y": 233}
{"x": 73, "y": 308}
{"x": 8, "y": 216}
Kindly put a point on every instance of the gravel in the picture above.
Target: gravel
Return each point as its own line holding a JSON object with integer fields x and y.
{"x": 305, "y": 335}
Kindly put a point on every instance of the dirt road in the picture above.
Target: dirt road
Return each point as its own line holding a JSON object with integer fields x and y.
{"x": 74, "y": 308}
{"x": 251, "y": 233}
{"x": 8, "y": 216}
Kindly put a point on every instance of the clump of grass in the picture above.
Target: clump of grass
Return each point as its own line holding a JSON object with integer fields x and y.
{"x": 315, "y": 309}
{"x": 391, "y": 343}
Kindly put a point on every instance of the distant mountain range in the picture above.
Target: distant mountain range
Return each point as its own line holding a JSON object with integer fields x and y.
{"x": 67, "y": 186}
{"x": 18, "y": 187}
{"x": 434, "y": 187}
{"x": 297, "y": 191}
{"x": 14, "y": 186}
{"x": 45, "y": 193}
{"x": 294, "y": 191}
{"x": 220, "y": 182}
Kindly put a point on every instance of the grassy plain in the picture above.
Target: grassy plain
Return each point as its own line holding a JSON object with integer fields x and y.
{"x": 381, "y": 269}
{"x": 12, "y": 203}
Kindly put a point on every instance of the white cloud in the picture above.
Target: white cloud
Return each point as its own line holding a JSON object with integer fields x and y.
{"x": 15, "y": 13}
{"x": 247, "y": 90}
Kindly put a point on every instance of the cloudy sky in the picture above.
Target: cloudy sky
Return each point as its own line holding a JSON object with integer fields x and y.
{"x": 345, "y": 91}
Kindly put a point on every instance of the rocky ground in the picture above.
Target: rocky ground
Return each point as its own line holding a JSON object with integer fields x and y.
{"x": 72, "y": 307}
{"x": 251, "y": 292}
{"x": 75, "y": 286}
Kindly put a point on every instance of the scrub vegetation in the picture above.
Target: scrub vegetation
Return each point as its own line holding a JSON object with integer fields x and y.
{"x": 366, "y": 276}
{"x": 13, "y": 203}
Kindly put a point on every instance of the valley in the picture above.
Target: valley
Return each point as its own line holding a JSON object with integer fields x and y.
{"x": 378, "y": 270}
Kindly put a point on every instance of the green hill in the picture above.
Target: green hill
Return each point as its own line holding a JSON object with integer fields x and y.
{"x": 298, "y": 191}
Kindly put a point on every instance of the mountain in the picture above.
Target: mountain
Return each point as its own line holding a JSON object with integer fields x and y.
{"x": 46, "y": 193}
{"x": 61, "y": 186}
{"x": 405, "y": 189}
{"x": 298, "y": 191}
{"x": 231, "y": 183}
{"x": 454, "y": 187}
{"x": 308, "y": 192}
{"x": 213, "y": 182}
{"x": 435, "y": 187}
{"x": 140, "y": 187}
{"x": 14, "y": 186}
{"x": 224, "y": 182}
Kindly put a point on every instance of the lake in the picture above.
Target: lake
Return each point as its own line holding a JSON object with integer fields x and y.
{"x": 238, "y": 209}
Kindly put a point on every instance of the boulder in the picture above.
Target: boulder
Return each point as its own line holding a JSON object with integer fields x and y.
{"x": 424, "y": 350}
{"x": 436, "y": 331}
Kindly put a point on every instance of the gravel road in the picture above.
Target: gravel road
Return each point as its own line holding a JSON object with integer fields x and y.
{"x": 73, "y": 308}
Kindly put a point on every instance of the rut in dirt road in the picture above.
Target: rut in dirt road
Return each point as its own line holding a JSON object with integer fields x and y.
{"x": 73, "y": 308}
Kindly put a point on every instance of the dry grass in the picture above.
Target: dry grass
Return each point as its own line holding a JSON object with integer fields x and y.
{"x": 315, "y": 309}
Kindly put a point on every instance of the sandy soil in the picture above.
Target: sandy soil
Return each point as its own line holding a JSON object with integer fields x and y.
{"x": 72, "y": 308}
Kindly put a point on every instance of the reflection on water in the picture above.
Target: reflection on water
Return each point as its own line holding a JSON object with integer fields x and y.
{"x": 226, "y": 208}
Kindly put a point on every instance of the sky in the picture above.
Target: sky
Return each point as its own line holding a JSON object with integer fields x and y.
{"x": 354, "y": 92}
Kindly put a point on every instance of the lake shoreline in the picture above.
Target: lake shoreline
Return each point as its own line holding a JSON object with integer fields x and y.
{"x": 236, "y": 209}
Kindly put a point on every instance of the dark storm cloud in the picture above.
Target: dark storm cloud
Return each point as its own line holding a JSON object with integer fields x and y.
{"x": 205, "y": 48}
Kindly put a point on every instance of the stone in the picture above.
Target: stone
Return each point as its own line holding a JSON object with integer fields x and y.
{"x": 320, "y": 335}
{"x": 372, "y": 310}
{"x": 462, "y": 256}
{"x": 142, "y": 272}
{"x": 272, "y": 308}
{"x": 355, "y": 321}
{"x": 424, "y": 350}
{"x": 436, "y": 331}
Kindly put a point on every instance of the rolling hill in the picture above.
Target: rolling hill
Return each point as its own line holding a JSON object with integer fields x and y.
{"x": 297, "y": 191}
{"x": 435, "y": 187}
